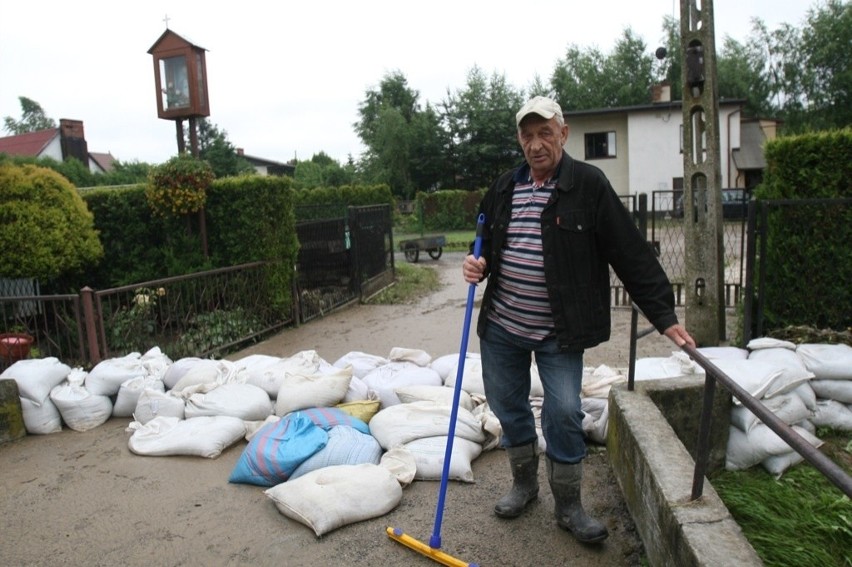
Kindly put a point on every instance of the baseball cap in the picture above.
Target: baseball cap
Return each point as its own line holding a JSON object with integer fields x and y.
{"x": 541, "y": 105}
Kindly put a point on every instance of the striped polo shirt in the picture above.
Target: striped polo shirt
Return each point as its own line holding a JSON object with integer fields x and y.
{"x": 521, "y": 305}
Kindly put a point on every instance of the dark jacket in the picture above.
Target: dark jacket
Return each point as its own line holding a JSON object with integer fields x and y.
{"x": 585, "y": 228}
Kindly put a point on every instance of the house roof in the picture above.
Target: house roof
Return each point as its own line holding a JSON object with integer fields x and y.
{"x": 750, "y": 153}
{"x": 29, "y": 144}
{"x": 645, "y": 107}
{"x": 104, "y": 161}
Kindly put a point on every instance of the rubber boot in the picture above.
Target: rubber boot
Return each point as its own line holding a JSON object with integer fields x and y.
{"x": 524, "y": 463}
{"x": 565, "y": 482}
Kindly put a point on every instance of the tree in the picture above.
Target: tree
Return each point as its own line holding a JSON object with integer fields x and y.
{"x": 322, "y": 171}
{"x": 46, "y": 230}
{"x": 740, "y": 74}
{"x": 32, "y": 119}
{"x": 215, "y": 149}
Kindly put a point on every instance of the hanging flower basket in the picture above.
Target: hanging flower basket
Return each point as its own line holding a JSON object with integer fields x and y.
{"x": 15, "y": 346}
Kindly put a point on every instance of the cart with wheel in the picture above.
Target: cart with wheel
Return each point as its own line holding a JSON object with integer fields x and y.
{"x": 433, "y": 245}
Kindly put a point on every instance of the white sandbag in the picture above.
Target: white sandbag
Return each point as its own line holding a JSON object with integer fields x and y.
{"x": 754, "y": 376}
{"x": 837, "y": 390}
{"x": 207, "y": 372}
{"x": 358, "y": 390}
{"x": 789, "y": 408}
{"x": 717, "y": 352}
{"x": 414, "y": 355}
{"x": 446, "y": 363}
{"x": 155, "y": 362}
{"x": 384, "y": 380}
{"x": 674, "y": 366}
{"x": 833, "y": 414}
{"x": 403, "y": 423}
{"x": 362, "y": 363}
{"x": 346, "y": 446}
{"x": 130, "y": 390}
{"x": 777, "y": 464}
{"x": 536, "y": 387}
{"x": 438, "y": 394}
{"x": 472, "y": 382}
{"x": 745, "y": 450}
{"x": 254, "y": 368}
{"x": 178, "y": 369}
{"x": 429, "y": 455}
{"x": 107, "y": 376}
{"x": 80, "y": 409}
{"x": 400, "y": 462}
{"x": 329, "y": 498}
{"x": 41, "y": 419}
{"x": 270, "y": 376}
{"x": 36, "y": 377}
{"x": 595, "y": 418}
{"x": 153, "y": 403}
{"x": 491, "y": 427}
{"x": 245, "y": 401}
{"x": 827, "y": 362}
{"x": 597, "y": 382}
{"x": 318, "y": 389}
{"x": 769, "y": 342}
{"x": 806, "y": 394}
{"x": 205, "y": 436}
{"x": 793, "y": 371}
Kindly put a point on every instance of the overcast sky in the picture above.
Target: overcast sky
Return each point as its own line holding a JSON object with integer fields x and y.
{"x": 286, "y": 78}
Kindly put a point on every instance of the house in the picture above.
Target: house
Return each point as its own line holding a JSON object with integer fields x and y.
{"x": 640, "y": 148}
{"x": 266, "y": 166}
{"x": 61, "y": 143}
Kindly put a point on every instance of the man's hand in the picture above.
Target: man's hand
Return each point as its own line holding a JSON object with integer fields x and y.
{"x": 473, "y": 269}
{"x": 678, "y": 335}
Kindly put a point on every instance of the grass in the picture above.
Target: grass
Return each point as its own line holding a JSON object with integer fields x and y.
{"x": 799, "y": 519}
{"x": 411, "y": 283}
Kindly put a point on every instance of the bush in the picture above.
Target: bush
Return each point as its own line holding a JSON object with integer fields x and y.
{"x": 46, "y": 230}
{"x": 179, "y": 186}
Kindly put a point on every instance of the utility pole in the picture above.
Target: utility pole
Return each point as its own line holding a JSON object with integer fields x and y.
{"x": 702, "y": 176}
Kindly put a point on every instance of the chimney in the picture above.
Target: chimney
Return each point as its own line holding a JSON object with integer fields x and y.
{"x": 661, "y": 93}
{"x": 72, "y": 140}
{"x": 240, "y": 152}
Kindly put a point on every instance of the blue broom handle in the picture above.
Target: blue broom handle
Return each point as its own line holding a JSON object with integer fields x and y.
{"x": 435, "y": 540}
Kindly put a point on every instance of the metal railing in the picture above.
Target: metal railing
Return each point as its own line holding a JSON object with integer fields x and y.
{"x": 831, "y": 470}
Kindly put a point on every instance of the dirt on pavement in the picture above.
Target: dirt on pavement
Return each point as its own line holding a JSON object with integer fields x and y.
{"x": 75, "y": 498}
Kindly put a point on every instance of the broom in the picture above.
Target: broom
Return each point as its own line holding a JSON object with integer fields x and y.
{"x": 433, "y": 550}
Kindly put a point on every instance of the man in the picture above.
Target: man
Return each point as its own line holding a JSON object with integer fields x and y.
{"x": 553, "y": 226}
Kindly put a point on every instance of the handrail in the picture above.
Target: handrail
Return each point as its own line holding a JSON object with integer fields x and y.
{"x": 831, "y": 470}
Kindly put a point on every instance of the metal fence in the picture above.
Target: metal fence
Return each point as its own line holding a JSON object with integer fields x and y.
{"x": 207, "y": 313}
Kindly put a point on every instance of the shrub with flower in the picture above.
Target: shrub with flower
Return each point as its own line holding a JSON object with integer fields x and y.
{"x": 179, "y": 186}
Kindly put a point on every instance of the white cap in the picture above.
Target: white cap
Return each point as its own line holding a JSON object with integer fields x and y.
{"x": 541, "y": 105}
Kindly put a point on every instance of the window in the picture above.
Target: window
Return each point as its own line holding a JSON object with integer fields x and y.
{"x": 600, "y": 145}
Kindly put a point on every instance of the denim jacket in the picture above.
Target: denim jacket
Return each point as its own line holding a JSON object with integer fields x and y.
{"x": 585, "y": 228}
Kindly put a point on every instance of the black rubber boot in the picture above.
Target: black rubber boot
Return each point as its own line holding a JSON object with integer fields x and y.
{"x": 524, "y": 463}
{"x": 565, "y": 482}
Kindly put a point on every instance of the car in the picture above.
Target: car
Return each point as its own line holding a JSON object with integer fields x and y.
{"x": 734, "y": 204}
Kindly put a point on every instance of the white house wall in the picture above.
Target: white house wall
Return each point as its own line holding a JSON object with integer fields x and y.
{"x": 648, "y": 152}
{"x": 53, "y": 149}
{"x": 616, "y": 169}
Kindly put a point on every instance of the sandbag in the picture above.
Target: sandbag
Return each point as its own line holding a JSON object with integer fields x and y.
{"x": 205, "y": 436}
{"x": 769, "y": 342}
{"x": 754, "y": 376}
{"x": 429, "y": 455}
{"x": 318, "y": 389}
{"x": 362, "y": 363}
{"x": 833, "y": 414}
{"x": 400, "y": 462}
{"x": 472, "y": 382}
{"x": 36, "y": 377}
{"x": 256, "y": 370}
{"x": 717, "y": 352}
{"x": 245, "y": 401}
{"x": 414, "y": 355}
{"x": 329, "y": 498}
{"x": 155, "y": 362}
{"x": 107, "y": 376}
{"x": 674, "y": 366}
{"x": 277, "y": 449}
{"x": 271, "y": 376}
{"x": 837, "y": 390}
{"x": 130, "y": 390}
{"x": 41, "y": 419}
{"x": 361, "y": 409}
{"x": 438, "y": 394}
{"x": 346, "y": 446}
{"x": 598, "y": 381}
{"x": 80, "y": 409}
{"x": 789, "y": 408}
{"x": 595, "y": 418}
{"x": 208, "y": 372}
{"x": 155, "y": 403}
{"x": 332, "y": 417}
{"x": 403, "y": 423}
{"x": 827, "y": 361}
{"x": 745, "y": 450}
{"x": 385, "y": 379}
{"x": 777, "y": 464}
{"x": 793, "y": 371}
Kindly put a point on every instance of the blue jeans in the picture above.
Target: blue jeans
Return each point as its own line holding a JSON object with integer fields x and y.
{"x": 506, "y": 361}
